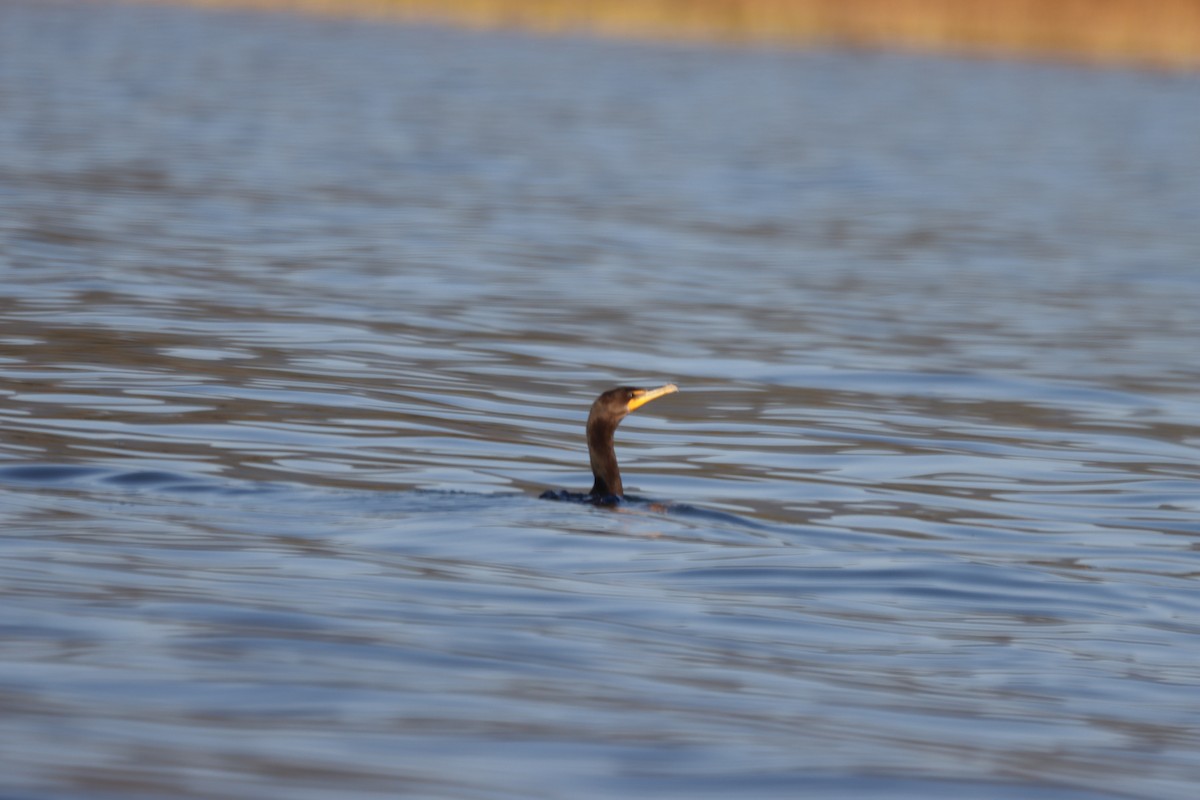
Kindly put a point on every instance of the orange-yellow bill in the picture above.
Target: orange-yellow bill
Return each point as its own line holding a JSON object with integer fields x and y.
{"x": 646, "y": 395}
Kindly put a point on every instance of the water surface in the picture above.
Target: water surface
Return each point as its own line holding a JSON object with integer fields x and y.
{"x": 298, "y": 317}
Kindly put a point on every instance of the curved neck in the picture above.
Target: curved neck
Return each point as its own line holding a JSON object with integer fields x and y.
{"x": 603, "y": 458}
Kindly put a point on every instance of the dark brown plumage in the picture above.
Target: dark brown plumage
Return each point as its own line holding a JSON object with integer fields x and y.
{"x": 606, "y": 414}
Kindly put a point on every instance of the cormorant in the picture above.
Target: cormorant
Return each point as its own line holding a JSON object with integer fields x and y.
{"x": 606, "y": 414}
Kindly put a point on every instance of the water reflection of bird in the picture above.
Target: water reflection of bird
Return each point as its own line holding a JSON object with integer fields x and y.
{"x": 606, "y": 414}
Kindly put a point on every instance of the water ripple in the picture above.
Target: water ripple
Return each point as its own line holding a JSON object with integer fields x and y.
{"x": 286, "y": 361}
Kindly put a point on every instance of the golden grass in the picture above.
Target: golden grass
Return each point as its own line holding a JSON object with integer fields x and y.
{"x": 1158, "y": 32}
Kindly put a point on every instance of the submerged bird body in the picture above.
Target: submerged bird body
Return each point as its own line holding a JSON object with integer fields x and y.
{"x": 607, "y": 412}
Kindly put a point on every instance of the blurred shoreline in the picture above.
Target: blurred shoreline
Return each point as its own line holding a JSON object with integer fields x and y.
{"x": 1162, "y": 34}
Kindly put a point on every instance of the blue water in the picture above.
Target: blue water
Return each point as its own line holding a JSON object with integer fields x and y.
{"x": 299, "y": 316}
